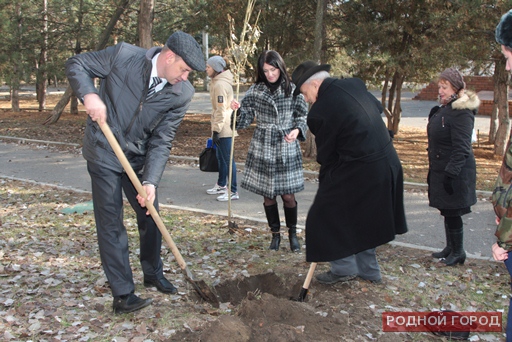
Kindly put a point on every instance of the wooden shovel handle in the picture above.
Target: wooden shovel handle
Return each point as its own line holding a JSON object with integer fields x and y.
{"x": 309, "y": 276}
{"x": 140, "y": 189}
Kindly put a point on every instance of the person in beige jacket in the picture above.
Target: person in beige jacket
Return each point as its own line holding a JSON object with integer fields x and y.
{"x": 221, "y": 95}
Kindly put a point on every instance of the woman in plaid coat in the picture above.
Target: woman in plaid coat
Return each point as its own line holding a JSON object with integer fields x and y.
{"x": 274, "y": 161}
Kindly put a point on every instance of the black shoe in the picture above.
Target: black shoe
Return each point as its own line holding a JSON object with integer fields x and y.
{"x": 163, "y": 285}
{"x": 129, "y": 303}
{"x": 331, "y": 278}
{"x": 373, "y": 281}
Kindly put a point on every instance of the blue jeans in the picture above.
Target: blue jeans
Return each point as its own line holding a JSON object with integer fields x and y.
{"x": 223, "y": 153}
{"x": 508, "y": 331}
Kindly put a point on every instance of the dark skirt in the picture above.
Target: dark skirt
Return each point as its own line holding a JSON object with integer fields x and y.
{"x": 455, "y": 212}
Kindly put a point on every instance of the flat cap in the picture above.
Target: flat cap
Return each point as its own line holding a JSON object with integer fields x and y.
{"x": 185, "y": 46}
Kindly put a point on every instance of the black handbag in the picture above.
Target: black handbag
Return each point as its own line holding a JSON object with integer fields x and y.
{"x": 208, "y": 160}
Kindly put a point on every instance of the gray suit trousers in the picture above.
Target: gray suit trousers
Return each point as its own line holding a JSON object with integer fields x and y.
{"x": 107, "y": 188}
{"x": 363, "y": 264}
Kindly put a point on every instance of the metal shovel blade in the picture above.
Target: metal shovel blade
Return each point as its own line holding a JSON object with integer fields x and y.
{"x": 304, "y": 291}
{"x": 201, "y": 288}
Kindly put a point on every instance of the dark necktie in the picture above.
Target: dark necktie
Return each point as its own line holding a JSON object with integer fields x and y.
{"x": 155, "y": 81}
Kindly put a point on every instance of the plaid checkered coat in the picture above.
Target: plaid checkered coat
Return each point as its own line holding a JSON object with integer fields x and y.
{"x": 273, "y": 166}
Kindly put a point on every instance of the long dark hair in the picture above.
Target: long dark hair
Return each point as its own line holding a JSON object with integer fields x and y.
{"x": 273, "y": 58}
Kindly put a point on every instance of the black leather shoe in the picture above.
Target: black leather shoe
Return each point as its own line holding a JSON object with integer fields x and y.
{"x": 373, "y": 281}
{"x": 161, "y": 284}
{"x": 331, "y": 278}
{"x": 129, "y": 303}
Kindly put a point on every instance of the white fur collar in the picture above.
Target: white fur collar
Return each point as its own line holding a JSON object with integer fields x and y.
{"x": 469, "y": 101}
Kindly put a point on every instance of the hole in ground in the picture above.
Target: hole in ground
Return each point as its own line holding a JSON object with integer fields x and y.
{"x": 234, "y": 291}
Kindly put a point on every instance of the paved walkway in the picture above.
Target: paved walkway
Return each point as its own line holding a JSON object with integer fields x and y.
{"x": 184, "y": 187}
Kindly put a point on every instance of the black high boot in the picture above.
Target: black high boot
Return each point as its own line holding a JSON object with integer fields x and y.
{"x": 290, "y": 215}
{"x": 457, "y": 256}
{"x": 272, "y": 213}
{"x": 448, "y": 249}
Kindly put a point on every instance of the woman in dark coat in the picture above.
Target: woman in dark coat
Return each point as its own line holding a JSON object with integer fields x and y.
{"x": 359, "y": 203}
{"x": 452, "y": 168}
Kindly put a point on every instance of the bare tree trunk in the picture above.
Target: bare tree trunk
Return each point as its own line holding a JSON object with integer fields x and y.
{"x": 394, "y": 109}
{"x": 73, "y": 105}
{"x": 493, "y": 128}
{"x": 384, "y": 92}
{"x": 310, "y": 148}
{"x": 145, "y": 25}
{"x": 102, "y": 43}
{"x": 206, "y": 51}
{"x": 501, "y": 96}
{"x": 42, "y": 74}
{"x": 391, "y": 99}
{"x": 397, "y": 109}
{"x": 499, "y": 68}
{"x": 15, "y": 95}
{"x": 318, "y": 56}
{"x": 383, "y": 99}
{"x": 321, "y": 6}
{"x": 16, "y": 79}
{"x": 103, "y": 40}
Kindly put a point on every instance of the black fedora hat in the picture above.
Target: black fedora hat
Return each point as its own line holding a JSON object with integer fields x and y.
{"x": 305, "y": 71}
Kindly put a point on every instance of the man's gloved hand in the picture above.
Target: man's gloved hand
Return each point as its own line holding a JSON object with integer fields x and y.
{"x": 216, "y": 138}
{"x": 448, "y": 184}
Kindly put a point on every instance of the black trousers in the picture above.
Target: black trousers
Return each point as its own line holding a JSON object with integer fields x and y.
{"x": 107, "y": 188}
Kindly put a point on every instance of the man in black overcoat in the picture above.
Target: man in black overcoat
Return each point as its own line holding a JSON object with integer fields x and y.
{"x": 359, "y": 203}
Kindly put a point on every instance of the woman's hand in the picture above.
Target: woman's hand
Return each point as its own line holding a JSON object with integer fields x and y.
{"x": 290, "y": 137}
{"x": 235, "y": 105}
{"x": 498, "y": 253}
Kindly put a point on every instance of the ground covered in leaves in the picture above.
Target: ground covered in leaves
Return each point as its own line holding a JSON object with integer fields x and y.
{"x": 52, "y": 287}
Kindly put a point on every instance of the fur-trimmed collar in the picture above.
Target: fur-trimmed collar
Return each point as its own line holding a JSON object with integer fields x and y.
{"x": 469, "y": 101}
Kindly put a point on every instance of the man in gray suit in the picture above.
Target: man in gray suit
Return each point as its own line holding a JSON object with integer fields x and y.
{"x": 143, "y": 97}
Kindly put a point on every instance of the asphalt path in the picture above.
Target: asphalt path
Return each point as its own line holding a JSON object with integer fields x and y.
{"x": 184, "y": 187}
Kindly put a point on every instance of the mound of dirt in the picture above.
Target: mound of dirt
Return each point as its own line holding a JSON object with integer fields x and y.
{"x": 266, "y": 310}
{"x": 265, "y": 317}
